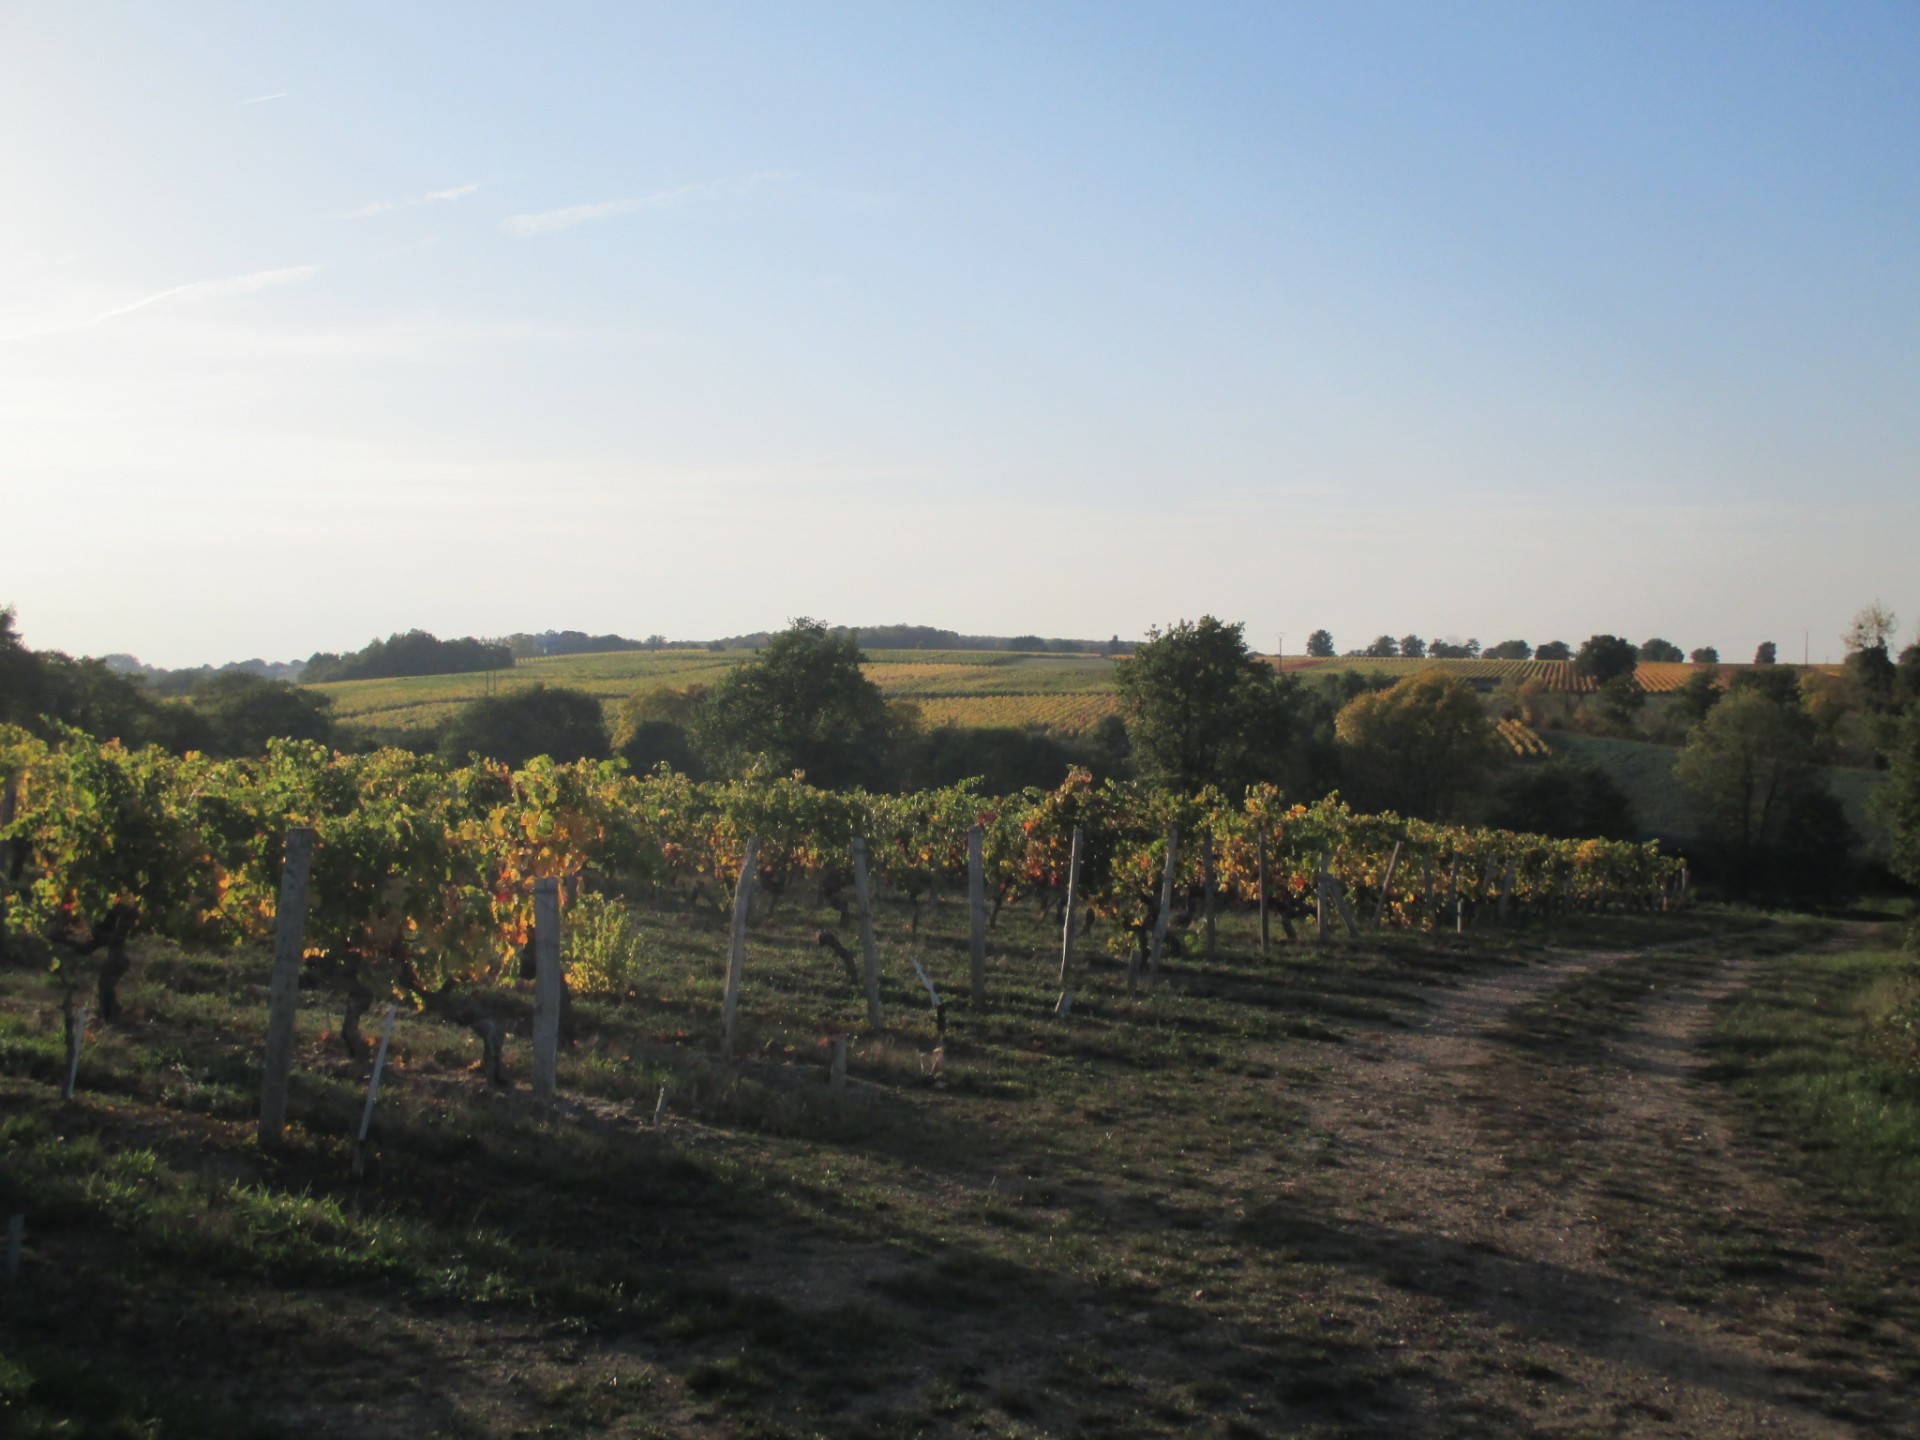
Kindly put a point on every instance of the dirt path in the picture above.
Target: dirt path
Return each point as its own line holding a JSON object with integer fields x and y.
{"x": 1536, "y": 1189}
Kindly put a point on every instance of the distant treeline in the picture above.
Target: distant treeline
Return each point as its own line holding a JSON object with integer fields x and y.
{"x": 926, "y": 637}
{"x": 414, "y": 653}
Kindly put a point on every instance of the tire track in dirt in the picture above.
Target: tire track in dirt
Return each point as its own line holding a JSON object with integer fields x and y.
{"x": 1532, "y": 1186}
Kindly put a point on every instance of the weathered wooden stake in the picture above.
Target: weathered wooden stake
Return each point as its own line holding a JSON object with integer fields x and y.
{"x": 1264, "y": 936}
{"x": 1386, "y": 887}
{"x": 1166, "y": 907}
{"x": 283, "y": 991}
{"x": 373, "y": 1094}
{"x": 16, "y": 1233}
{"x": 546, "y": 989}
{"x": 837, "y": 1074}
{"x": 660, "y": 1105}
{"x": 76, "y": 1042}
{"x": 737, "y": 951}
{"x": 1333, "y": 888}
{"x": 1453, "y": 894}
{"x": 1065, "y": 1004}
{"x": 870, "y": 951}
{"x": 1208, "y": 885}
{"x": 1506, "y": 891}
{"x": 977, "y": 914}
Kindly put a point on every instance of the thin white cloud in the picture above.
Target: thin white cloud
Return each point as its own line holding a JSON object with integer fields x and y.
{"x": 432, "y": 197}
{"x": 262, "y": 99}
{"x": 193, "y": 290}
{"x": 545, "y": 221}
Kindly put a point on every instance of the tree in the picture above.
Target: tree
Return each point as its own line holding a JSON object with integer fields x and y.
{"x": 1423, "y": 748}
{"x": 1871, "y": 629}
{"x": 1563, "y": 799}
{"x": 515, "y": 727}
{"x": 1752, "y": 766}
{"x": 1661, "y": 652}
{"x": 1554, "y": 650}
{"x": 803, "y": 703}
{"x": 1383, "y": 647}
{"x": 1695, "y": 699}
{"x": 241, "y": 712}
{"x": 1896, "y": 800}
{"x": 1601, "y": 657}
{"x": 1621, "y": 701}
{"x": 1413, "y": 647}
{"x": 1320, "y": 645}
{"x": 1511, "y": 650}
{"x": 1705, "y": 655}
{"x": 1767, "y": 653}
{"x": 1909, "y": 672}
{"x": 1203, "y": 710}
{"x": 1869, "y": 667}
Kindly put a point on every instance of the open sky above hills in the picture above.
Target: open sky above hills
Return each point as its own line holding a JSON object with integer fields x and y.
{"x": 319, "y": 322}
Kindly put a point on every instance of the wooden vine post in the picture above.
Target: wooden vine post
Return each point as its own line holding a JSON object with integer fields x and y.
{"x": 76, "y": 1018}
{"x": 1386, "y": 887}
{"x": 373, "y": 1094}
{"x": 1264, "y": 935}
{"x": 283, "y": 991}
{"x": 1166, "y": 907}
{"x": 737, "y": 950}
{"x": 977, "y": 914}
{"x": 1209, "y": 885}
{"x": 1065, "y": 1004}
{"x": 870, "y": 952}
{"x": 546, "y": 989}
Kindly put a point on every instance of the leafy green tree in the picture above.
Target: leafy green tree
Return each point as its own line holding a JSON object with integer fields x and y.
{"x": 1554, "y": 650}
{"x": 1563, "y": 799}
{"x": 1909, "y": 674}
{"x": 1423, "y": 748}
{"x": 241, "y": 712}
{"x": 1413, "y": 647}
{"x": 1601, "y": 657}
{"x": 1695, "y": 699}
{"x": 1320, "y": 645}
{"x": 1753, "y": 769}
{"x": 1511, "y": 650}
{"x": 1663, "y": 652}
{"x": 513, "y": 728}
{"x": 1870, "y": 669}
{"x": 802, "y": 703}
{"x": 1705, "y": 655}
{"x": 1202, "y": 710}
{"x": 1621, "y": 700}
{"x": 1766, "y": 653}
{"x": 1896, "y": 800}
{"x": 1383, "y": 647}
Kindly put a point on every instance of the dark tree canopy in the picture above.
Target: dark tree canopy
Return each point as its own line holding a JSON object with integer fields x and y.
{"x": 241, "y": 712}
{"x": 1383, "y": 647}
{"x": 1753, "y": 768}
{"x": 1454, "y": 649}
{"x": 1320, "y": 645}
{"x": 514, "y": 728}
{"x": 1413, "y": 647}
{"x": 413, "y": 653}
{"x": 1601, "y": 657}
{"x": 1564, "y": 799}
{"x": 1897, "y": 801}
{"x": 1511, "y": 650}
{"x": 1202, "y": 710}
{"x": 1767, "y": 653}
{"x": 1705, "y": 655}
{"x": 1554, "y": 650}
{"x": 1660, "y": 651}
{"x": 803, "y": 703}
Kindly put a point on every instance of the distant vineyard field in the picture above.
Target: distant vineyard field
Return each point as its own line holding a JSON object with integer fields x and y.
{"x": 1062, "y": 693}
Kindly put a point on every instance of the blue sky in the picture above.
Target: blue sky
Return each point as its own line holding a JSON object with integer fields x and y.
{"x": 318, "y": 322}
